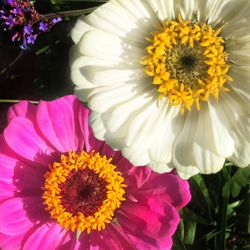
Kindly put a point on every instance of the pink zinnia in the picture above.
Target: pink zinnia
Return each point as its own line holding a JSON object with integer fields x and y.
{"x": 60, "y": 188}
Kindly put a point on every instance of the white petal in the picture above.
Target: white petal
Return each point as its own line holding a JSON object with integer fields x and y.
{"x": 137, "y": 156}
{"x": 238, "y": 122}
{"x": 169, "y": 125}
{"x": 104, "y": 98}
{"x": 207, "y": 161}
{"x": 163, "y": 8}
{"x": 102, "y": 45}
{"x": 212, "y": 133}
{"x": 80, "y": 28}
{"x": 160, "y": 167}
{"x": 225, "y": 10}
{"x": 186, "y": 172}
{"x": 141, "y": 128}
{"x": 114, "y": 19}
{"x": 142, "y": 14}
{"x": 182, "y": 153}
{"x": 121, "y": 114}
{"x": 96, "y": 122}
{"x": 241, "y": 82}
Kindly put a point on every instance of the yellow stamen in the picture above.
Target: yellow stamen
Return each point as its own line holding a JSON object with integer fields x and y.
{"x": 58, "y": 174}
{"x": 190, "y": 85}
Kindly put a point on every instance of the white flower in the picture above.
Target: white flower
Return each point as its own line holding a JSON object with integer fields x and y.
{"x": 168, "y": 81}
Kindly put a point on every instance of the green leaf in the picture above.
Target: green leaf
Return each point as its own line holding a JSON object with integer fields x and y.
{"x": 190, "y": 231}
{"x": 239, "y": 180}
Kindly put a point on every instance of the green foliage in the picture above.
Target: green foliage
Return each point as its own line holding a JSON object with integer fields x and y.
{"x": 218, "y": 215}
{"x": 239, "y": 180}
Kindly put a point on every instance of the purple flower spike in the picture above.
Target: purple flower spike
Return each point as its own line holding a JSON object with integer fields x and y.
{"x": 21, "y": 19}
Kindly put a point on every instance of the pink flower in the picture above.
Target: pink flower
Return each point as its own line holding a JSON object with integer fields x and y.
{"x": 53, "y": 198}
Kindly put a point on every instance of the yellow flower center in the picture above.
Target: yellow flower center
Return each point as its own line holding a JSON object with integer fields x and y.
{"x": 83, "y": 191}
{"x": 188, "y": 63}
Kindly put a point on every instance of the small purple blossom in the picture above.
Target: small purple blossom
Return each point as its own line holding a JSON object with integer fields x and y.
{"x": 56, "y": 20}
{"x": 27, "y": 29}
{"x": 9, "y": 21}
{"x": 31, "y": 39}
{"x": 43, "y": 26}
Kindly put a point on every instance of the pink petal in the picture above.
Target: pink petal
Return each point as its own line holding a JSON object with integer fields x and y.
{"x": 10, "y": 242}
{"x": 168, "y": 187}
{"x": 22, "y": 137}
{"x": 113, "y": 237}
{"x": 162, "y": 244}
{"x": 58, "y": 121}
{"x": 137, "y": 177}
{"x": 46, "y": 237}
{"x": 150, "y": 221}
{"x": 69, "y": 242}
{"x": 13, "y": 218}
{"x": 23, "y": 109}
{"x": 116, "y": 236}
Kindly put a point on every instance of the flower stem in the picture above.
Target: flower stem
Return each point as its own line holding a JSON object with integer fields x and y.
{"x": 17, "y": 58}
{"x": 222, "y": 221}
{"x": 69, "y": 13}
{"x": 15, "y": 101}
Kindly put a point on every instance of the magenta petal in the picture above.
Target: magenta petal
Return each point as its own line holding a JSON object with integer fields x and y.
{"x": 10, "y": 242}
{"x": 58, "y": 121}
{"x": 150, "y": 221}
{"x": 137, "y": 177}
{"x": 162, "y": 244}
{"x": 22, "y": 137}
{"x": 23, "y": 109}
{"x": 168, "y": 187}
{"x": 13, "y": 219}
{"x": 46, "y": 237}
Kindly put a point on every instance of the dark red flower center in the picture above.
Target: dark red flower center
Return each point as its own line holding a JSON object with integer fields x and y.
{"x": 83, "y": 191}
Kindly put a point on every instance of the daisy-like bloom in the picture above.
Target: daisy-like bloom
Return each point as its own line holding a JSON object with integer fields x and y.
{"x": 62, "y": 189}
{"x": 168, "y": 81}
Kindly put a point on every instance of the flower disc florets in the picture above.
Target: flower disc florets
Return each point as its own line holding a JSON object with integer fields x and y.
{"x": 188, "y": 62}
{"x": 83, "y": 191}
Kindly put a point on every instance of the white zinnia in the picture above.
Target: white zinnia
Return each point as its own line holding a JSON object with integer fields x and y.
{"x": 193, "y": 135}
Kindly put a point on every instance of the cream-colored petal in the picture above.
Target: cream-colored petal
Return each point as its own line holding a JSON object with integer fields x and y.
{"x": 225, "y": 10}
{"x": 211, "y": 132}
{"x": 108, "y": 97}
{"x": 164, "y": 9}
{"x": 122, "y": 113}
{"x": 103, "y": 45}
{"x": 182, "y": 151}
{"x": 80, "y": 28}
{"x": 114, "y": 19}
{"x": 160, "y": 167}
{"x": 206, "y": 160}
{"x": 167, "y": 128}
{"x": 241, "y": 82}
{"x": 238, "y": 123}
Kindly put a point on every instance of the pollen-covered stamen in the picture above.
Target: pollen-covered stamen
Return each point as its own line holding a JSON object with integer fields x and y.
{"x": 83, "y": 191}
{"x": 188, "y": 62}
